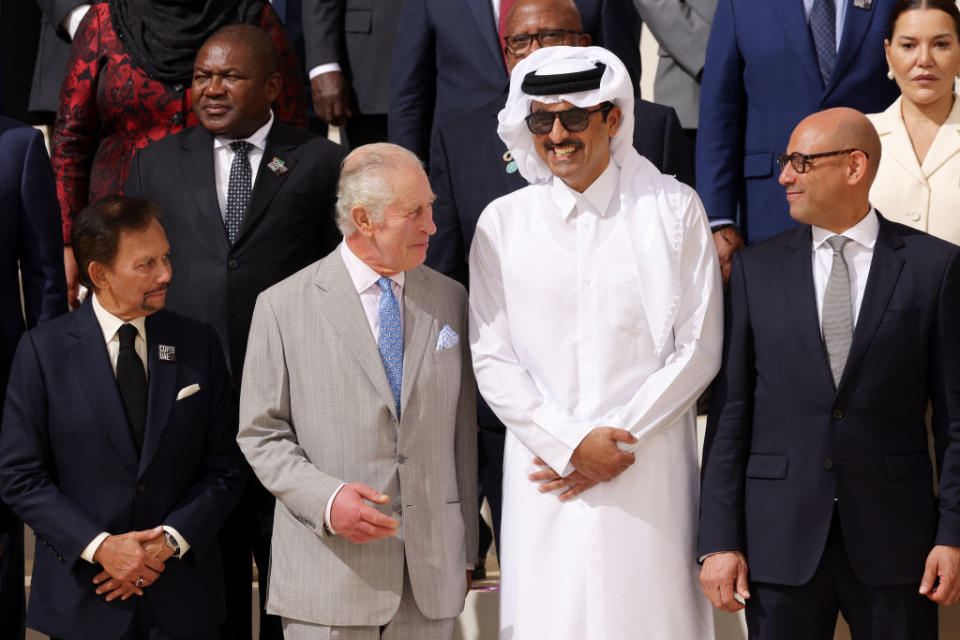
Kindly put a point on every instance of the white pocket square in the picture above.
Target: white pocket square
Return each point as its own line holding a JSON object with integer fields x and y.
{"x": 447, "y": 339}
{"x": 186, "y": 392}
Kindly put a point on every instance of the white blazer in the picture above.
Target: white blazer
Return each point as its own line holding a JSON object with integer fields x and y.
{"x": 925, "y": 197}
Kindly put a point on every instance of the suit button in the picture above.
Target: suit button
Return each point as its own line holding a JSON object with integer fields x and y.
{"x": 232, "y": 264}
{"x": 915, "y": 216}
{"x": 177, "y": 118}
{"x": 401, "y": 459}
{"x": 141, "y": 488}
{"x": 828, "y": 464}
{"x": 837, "y": 414}
{"x": 397, "y": 508}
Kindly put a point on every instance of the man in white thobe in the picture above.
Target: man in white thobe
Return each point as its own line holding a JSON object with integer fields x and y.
{"x": 595, "y": 323}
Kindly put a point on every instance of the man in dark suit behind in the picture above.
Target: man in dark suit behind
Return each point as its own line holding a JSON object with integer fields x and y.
{"x": 31, "y": 250}
{"x": 471, "y": 167}
{"x": 238, "y": 225}
{"x": 449, "y": 58}
{"x": 118, "y": 447}
{"x": 816, "y": 476}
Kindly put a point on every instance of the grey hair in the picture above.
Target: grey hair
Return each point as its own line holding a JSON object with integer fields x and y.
{"x": 365, "y": 181}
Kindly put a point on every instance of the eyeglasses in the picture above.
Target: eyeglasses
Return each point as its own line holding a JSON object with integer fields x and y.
{"x": 573, "y": 120}
{"x": 801, "y": 162}
{"x": 519, "y": 43}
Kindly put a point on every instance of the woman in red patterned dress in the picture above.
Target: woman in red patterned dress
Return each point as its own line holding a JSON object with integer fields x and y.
{"x": 128, "y": 84}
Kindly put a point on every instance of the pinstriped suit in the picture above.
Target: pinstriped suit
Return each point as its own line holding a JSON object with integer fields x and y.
{"x": 316, "y": 410}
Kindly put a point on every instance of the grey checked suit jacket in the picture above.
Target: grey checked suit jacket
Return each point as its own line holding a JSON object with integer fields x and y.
{"x": 316, "y": 410}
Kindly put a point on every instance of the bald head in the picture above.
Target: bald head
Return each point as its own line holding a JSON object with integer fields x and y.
{"x": 833, "y": 190}
{"x": 530, "y": 17}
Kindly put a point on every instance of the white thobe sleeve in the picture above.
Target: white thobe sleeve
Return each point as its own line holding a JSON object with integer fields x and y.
{"x": 697, "y": 337}
{"x": 547, "y": 430}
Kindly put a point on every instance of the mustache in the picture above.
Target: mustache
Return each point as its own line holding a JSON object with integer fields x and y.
{"x": 549, "y": 145}
{"x": 157, "y": 290}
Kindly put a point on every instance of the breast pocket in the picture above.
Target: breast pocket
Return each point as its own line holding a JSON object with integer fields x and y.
{"x": 624, "y": 300}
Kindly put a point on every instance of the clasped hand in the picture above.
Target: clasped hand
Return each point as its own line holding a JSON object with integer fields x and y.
{"x": 129, "y": 558}
{"x": 596, "y": 459}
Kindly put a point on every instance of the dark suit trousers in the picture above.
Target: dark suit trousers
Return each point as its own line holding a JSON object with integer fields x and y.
{"x": 365, "y": 129}
{"x": 809, "y": 611}
{"x": 144, "y": 628}
{"x": 12, "y": 598}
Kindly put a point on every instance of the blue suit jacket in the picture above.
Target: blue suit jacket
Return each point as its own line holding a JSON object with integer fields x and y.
{"x": 782, "y": 442}
{"x": 760, "y": 79}
{"x": 69, "y": 469}
{"x": 448, "y": 60}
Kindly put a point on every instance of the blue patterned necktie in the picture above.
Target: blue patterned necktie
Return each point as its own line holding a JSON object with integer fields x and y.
{"x": 823, "y": 27}
{"x": 390, "y": 340}
{"x": 238, "y": 189}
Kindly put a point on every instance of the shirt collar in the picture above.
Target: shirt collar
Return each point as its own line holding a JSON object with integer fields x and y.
{"x": 257, "y": 139}
{"x": 863, "y": 233}
{"x": 110, "y": 323}
{"x": 361, "y": 274}
{"x": 596, "y": 198}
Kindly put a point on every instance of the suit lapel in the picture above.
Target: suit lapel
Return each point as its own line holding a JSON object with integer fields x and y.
{"x": 855, "y": 26}
{"x": 794, "y": 22}
{"x": 162, "y": 379}
{"x": 482, "y": 12}
{"x": 198, "y": 175}
{"x": 802, "y": 298}
{"x": 88, "y": 356}
{"x": 268, "y": 183}
{"x": 946, "y": 144}
{"x": 893, "y": 134}
{"x": 417, "y": 328}
{"x": 884, "y": 272}
{"x": 341, "y": 305}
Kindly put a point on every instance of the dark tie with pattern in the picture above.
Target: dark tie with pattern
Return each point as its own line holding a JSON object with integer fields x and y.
{"x": 132, "y": 380}
{"x": 823, "y": 27}
{"x": 837, "y": 322}
{"x": 238, "y": 189}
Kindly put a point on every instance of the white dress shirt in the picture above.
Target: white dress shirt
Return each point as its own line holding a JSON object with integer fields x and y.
{"x": 364, "y": 280}
{"x": 110, "y": 325}
{"x": 223, "y": 158}
{"x": 858, "y": 254}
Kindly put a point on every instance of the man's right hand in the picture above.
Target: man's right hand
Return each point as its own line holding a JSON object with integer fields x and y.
{"x": 331, "y": 97}
{"x": 124, "y": 559}
{"x": 73, "y": 277}
{"x": 722, "y": 576}
{"x": 599, "y": 458}
{"x": 357, "y": 521}
{"x": 728, "y": 241}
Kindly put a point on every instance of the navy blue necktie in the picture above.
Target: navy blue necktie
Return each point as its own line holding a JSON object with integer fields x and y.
{"x": 823, "y": 27}
{"x": 390, "y": 339}
{"x": 239, "y": 188}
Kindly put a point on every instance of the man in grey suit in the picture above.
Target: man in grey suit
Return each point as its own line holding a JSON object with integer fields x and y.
{"x": 358, "y": 412}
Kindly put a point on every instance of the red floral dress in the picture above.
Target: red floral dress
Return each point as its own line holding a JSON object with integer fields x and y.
{"x": 110, "y": 108}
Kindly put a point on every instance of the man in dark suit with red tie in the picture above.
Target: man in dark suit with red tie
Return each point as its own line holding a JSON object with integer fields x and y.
{"x": 118, "y": 448}
{"x": 817, "y": 486}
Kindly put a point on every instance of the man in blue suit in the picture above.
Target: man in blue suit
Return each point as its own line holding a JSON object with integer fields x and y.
{"x": 816, "y": 475}
{"x": 118, "y": 446}
{"x": 31, "y": 245}
{"x": 770, "y": 64}
{"x": 449, "y": 58}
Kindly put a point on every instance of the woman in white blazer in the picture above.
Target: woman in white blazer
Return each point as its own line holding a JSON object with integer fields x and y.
{"x": 918, "y": 183}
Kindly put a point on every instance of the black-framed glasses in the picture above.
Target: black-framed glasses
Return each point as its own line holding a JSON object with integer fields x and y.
{"x": 801, "y": 162}
{"x": 519, "y": 43}
{"x": 573, "y": 120}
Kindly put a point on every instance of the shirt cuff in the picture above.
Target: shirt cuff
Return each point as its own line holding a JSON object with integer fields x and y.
{"x": 91, "y": 549}
{"x": 324, "y": 68}
{"x": 721, "y": 222}
{"x": 326, "y": 513}
{"x": 184, "y": 545}
{"x": 73, "y": 19}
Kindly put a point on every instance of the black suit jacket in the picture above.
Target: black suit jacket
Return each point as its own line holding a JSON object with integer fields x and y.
{"x": 69, "y": 469}
{"x": 289, "y": 224}
{"x": 782, "y": 442}
{"x": 448, "y": 60}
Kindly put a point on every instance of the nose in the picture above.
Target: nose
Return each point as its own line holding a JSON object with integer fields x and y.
{"x": 165, "y": 273}
{"x": 214, "y": 86}
{"x": 557, "y": 132}
{"x": 788, "y": 175}
{"x": 429, "y": 226}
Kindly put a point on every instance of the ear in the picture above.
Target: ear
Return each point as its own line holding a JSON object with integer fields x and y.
{"x": 613, "y": 121}
{"x": 274, "y": 85}
{"x": 97, "y": 271}
{"x": 857, "y": 168}
{"x": 886, "y": 53}
{"x": 361, "y": 220}
{"x": 584, "y": 40}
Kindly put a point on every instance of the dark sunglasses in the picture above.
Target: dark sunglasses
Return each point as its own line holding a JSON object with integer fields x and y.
{"x": 573, "y": 120}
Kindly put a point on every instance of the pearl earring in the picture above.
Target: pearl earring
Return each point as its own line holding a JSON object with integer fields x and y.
{"x": 890, "y": 74}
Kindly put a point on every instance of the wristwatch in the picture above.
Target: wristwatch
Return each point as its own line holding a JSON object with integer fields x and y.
{"x": 172, "y": 543}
